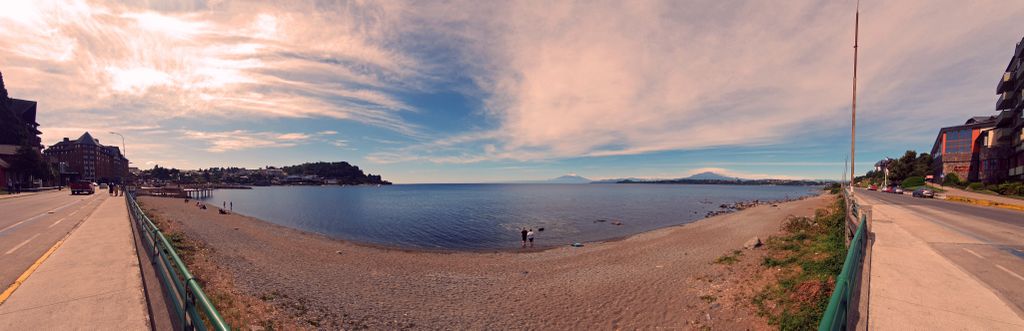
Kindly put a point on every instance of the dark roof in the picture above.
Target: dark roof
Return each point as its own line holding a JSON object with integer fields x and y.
{"x": 24, "y": 109}
{"x": 87, "y": 139}
{"x": 980, "y": 120}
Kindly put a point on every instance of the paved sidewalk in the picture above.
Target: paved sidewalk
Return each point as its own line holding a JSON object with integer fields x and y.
{"x": 913, "y": 287}
{"x": 92, "y": 281}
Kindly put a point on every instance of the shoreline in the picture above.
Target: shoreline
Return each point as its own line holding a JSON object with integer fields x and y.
{"x": 652, "y": 279}
{"x": 725, "y": 209}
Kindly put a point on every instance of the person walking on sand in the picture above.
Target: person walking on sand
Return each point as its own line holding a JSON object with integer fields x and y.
{"x": 524, "y": 237}
{"x": 529, "y": 236}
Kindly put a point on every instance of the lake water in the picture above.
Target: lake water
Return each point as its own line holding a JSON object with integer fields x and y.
{"x": 489, "y": 216}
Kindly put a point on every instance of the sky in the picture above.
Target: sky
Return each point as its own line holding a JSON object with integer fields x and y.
{"x": 491, "y": 91}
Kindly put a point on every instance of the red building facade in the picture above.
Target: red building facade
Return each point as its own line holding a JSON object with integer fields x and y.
{"x": 86, "y": 159}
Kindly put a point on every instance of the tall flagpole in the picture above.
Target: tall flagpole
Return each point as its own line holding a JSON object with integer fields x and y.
{"x": 853, "y": 112}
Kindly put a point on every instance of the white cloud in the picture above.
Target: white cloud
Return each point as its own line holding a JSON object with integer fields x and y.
{"x": 570, "y": 79}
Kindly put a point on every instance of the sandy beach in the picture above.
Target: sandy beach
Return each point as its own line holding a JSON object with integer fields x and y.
{"x": 662, "y": 279}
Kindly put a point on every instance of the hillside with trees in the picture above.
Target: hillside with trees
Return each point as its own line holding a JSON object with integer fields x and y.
{"x": 910, "y": 166}
{"x": 345, "y": 173}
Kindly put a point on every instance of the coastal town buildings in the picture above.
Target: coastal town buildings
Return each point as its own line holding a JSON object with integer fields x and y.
{"x": 988, "y": 149}
{"x": 19, "y": 128}
{"x": 1010, "y": 123}
{"x": 86, "y": 159}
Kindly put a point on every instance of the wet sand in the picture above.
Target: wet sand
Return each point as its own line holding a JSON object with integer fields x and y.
{"x": 652, "y": 280}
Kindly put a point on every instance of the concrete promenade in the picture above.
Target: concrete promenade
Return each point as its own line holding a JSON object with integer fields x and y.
{"x": 930, "y": 271}
{"x": 90, "y": 281}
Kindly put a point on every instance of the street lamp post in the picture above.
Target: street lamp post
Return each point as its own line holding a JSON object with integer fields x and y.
{"x": 124, "y": 150}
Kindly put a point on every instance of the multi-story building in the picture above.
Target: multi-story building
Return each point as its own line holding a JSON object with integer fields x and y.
{"x": 968, "y": 151}
{"x": 16, "y": 116}
{"x": 988, "y": 149}
{"x": 85, "y": 158}
{"x": 1010, "y": 105}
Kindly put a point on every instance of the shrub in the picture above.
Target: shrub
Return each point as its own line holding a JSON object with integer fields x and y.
{"x": 976, "y": 186}
{"x": 1010, "y": 189}
{"x": 952, "y": 180}
{"x": 913, "y": 181}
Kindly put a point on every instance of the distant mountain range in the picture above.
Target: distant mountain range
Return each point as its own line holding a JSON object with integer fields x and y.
{"x": 566, "y": 179}
{"x": 715, "y": 178}
{"x": 707, "y": 177}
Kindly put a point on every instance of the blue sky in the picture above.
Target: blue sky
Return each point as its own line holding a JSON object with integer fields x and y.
{"x": 469, "y": 91}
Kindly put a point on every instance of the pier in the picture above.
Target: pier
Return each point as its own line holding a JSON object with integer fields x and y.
{"x": 197, "y": 193}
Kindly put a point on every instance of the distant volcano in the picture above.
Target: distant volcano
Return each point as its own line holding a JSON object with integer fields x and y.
{"x": 707, "y": 175}
{"x": 569, "y": 179}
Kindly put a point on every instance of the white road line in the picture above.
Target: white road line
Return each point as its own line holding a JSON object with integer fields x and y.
{"x": 34, "y": 237}
{"x": 1011, "y": 272}
{"x": 55, "y": 223}
{"x": 975, "y": 254}
{"x": 37, "y": 216}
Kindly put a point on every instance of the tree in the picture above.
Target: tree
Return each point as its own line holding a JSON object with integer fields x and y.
{"x": 952, "y": 179}
{"x": 27, "y": 162}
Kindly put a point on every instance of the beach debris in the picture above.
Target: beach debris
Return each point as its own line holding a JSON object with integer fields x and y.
{"x": 236, "y": 228}
{"x": 339, "y": 252}
{"x": 616, "y": 223}
{"x": 600, "y": 221}
{"x": 541, "y": 229}
{"x": 753, "y": 243}
{"x": 576, "y": 245}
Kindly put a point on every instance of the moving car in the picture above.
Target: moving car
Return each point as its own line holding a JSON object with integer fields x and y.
{"x": 873, "y": 188}
{"x": 924, "y": 193}
{"x": 898, "y": 190}
{"x": 81, "y": 187}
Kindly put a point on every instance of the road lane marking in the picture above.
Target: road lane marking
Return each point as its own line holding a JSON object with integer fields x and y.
{"x": 37, "y": 216}
{"x": 35, "y": 265}
{"x": 1010, "y": 272}
{"x": 55, "y": 223}
{"x": 21, "y": 244}
{"x": 975, "y": 254}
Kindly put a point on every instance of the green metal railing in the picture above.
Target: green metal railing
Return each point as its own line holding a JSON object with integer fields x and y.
{"x": 837, "y": 313}
{"x": 193, "y": 309}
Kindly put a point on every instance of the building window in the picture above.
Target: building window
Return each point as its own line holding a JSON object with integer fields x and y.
{"x": 958, "y": 141}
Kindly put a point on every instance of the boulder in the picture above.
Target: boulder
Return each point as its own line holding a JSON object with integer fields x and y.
{"x": 754, "y": 242}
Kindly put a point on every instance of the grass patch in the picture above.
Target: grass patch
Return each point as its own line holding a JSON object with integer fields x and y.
{"x": 730, "y": 258}
{"x": 809, "y": 255}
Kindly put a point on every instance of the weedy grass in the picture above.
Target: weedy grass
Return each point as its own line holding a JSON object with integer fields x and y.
{"x": 809, "y": 255}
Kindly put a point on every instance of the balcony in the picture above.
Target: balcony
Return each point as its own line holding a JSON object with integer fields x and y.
{"x": 1007, "y": 100}
{"x": 1006, "y": 83}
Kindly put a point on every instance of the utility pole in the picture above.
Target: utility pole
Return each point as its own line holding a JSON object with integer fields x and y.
{"x": 853, "y": 110}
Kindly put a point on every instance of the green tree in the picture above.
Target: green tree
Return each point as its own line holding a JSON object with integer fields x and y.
{"x": 27, "y": 162}
{"x": 952, "y": 179}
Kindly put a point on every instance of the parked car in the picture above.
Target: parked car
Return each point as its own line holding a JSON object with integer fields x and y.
{"x": 898, "y": 190}
{"x": 924, "y": 193}
{"x": 873, "y": 188}
{"x": 81, "y": 187}
{"x": 887, "y": 189}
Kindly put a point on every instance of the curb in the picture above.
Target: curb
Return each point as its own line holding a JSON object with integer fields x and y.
{"x": 982, "y": 202}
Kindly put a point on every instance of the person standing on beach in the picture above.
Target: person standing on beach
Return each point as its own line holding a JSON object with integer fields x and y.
{"x": 524, "y": 237}
{"x": 232, "y": 205}
{"x": 529, "y": 235}
{"x": 224, "y": 205}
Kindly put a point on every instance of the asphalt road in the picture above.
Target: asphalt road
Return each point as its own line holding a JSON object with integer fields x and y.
{"x": 994, "y": 250}
{"x": 30, "y": 225}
